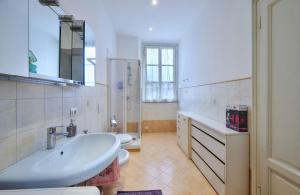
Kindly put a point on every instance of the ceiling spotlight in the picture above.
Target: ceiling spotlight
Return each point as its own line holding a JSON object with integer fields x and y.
{"x": 150, "y": 29}
{"x": 154, "y": 2}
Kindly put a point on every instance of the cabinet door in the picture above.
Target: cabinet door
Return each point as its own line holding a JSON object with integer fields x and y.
{"x": 185, "y": 134}
{"x": 14, "y": 37}
{"x": 178, "y": 128}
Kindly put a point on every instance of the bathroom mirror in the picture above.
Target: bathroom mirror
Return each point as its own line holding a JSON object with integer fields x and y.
{"x": 65, "y": 57}
{"x": 43, "y": 40}
{"x": 89, "y": 56}
{"x": 76, "y": 59}
{"x": 58, "y": 46}
{"x": 77, "y": 69}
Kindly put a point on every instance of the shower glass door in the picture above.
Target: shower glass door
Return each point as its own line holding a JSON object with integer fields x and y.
{"x": 124, "y": 96}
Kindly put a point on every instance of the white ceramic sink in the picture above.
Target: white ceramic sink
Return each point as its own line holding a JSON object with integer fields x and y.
{"x": 77, "y": 160}
{"x": 54, "y": 191}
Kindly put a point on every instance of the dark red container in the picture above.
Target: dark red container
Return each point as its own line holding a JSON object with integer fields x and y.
{"x": 237, "y": 118}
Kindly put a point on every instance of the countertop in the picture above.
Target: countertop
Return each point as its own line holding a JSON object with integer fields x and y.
{"x": 214, "y": 125}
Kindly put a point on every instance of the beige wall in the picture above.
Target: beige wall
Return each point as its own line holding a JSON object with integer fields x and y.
{"x": 159, "y": 117}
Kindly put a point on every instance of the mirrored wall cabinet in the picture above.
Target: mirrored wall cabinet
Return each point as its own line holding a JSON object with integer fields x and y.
{"x": 39, "y": 40}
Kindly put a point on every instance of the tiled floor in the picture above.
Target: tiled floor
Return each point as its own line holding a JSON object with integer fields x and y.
{"x": 161, "y": 165}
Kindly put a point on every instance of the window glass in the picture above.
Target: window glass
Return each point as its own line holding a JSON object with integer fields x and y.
{"x": 168, "y": 92}
{"x": 160, "y": 79}
{"x": 167, "y": 56}
{"x": 152, "y": 74}
{"x": 167, "y": 74}
{"x": 152, "y": 92}
{"x": 152, "y": 56}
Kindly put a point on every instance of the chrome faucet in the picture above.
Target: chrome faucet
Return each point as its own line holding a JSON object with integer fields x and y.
{"x": 51, "y": 136}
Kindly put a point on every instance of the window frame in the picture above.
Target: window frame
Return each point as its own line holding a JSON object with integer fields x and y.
{"x": 160, "y": 47}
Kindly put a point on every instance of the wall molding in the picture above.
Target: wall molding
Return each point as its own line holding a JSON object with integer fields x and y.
{"x": 215, "y": 83}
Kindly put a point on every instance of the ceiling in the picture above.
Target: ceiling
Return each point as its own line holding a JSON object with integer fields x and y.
{"x": 169, "y": 18}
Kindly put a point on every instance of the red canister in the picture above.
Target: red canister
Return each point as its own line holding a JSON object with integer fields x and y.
{"x": 237, "y": 117}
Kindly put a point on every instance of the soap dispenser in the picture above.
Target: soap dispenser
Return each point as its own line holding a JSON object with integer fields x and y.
{"x": 72, "y": 129}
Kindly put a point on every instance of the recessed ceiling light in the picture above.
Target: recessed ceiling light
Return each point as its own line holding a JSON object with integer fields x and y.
{"x": 150, "y": 29}
{"x": 154, "y": 2}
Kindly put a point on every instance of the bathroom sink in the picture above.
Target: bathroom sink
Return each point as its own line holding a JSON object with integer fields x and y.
{"x": 70, "y": 163}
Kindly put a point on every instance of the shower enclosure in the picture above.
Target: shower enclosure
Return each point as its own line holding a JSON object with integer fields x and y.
{"x": 124, "y": 98}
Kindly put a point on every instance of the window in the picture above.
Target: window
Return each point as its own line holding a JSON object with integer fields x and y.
{"x": 160, "y": 74}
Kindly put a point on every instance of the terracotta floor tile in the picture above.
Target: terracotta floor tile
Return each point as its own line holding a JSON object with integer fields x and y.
{"x": 161, "y": 164}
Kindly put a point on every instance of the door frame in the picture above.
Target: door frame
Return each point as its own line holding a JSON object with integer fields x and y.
{"x": 254, "y": 144}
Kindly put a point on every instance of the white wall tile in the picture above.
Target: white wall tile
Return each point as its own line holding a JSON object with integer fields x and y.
{"x": 68, "y": 103}
{"x": 211, "y": 100}
{"x": 28, "y": 142}
{"x": 8, "y": 90}
{"x": 8, "y": 117}
{"x": 29, "y": 90}
{"x": 246, "y": 88}
{"x": 28, "y": 109}
{"x": 86, "y": 91}
{"x": 69, "y": 91}
{"x": 53, "y": 91}
{"x": 30, "y": 114}
{"x": 8, "y": 152}
{"x": 159, "y": 111}
{"x": 53, "y": 112}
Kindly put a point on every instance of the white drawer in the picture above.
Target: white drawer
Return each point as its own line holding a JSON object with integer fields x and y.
{"x": 211, "y": 132}
{"x": 184, "y": 119}
{"x": 217, "y": 166}
{"x": 217, "y": 184}
{"x": 210, "y": 143}
{"x": 178, "y": 116}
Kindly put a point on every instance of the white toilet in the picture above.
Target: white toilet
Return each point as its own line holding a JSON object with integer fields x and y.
{"x": 125, "y": 139}
{"x": 123, "y": 155}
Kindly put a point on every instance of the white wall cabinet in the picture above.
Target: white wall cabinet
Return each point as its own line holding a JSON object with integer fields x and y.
{"x": 183, "y": 133}
{"x": 221, "y": 154}
{"x": 14, "y": 37}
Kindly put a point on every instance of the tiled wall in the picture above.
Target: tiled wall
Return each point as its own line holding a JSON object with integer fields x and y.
{"x": 211, "y": 100}
{"x": 27, "y": 110}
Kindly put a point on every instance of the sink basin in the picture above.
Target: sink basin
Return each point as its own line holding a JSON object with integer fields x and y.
{"x": 70, "y": 163}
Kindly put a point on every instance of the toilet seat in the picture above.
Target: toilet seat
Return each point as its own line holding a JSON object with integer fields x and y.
{"x": 124, "y": 138}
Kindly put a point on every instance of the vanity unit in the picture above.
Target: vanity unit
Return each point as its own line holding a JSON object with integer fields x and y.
{"x": 221, "y": 154}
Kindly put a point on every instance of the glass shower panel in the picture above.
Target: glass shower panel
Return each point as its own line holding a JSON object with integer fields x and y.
{"x": 133, "y": 96}
{"x": 124, "y": 87}
{"x": 117, "y": 72}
